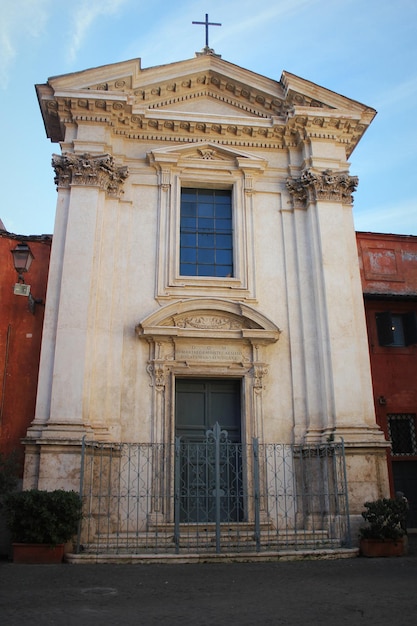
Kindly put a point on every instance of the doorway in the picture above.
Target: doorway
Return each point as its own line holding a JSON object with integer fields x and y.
{"x": 200, "y": 403}
{"x": 405, "y": 480}
{"x": 209, "y": 451}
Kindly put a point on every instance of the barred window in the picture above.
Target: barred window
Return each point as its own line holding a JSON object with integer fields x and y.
{"x": 402, "y": 433}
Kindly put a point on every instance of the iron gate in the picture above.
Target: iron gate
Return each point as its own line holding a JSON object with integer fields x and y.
{"x": 213, "y": 496}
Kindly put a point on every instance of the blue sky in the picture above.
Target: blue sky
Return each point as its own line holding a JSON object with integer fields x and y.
{"x": 363, "y": 49}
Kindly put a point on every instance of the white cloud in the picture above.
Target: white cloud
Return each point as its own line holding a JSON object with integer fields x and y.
{"x": 403, "y": 93}
{"x": 20, "y": 20}
{"x": 279, "y": 10}
{"x": 85, "y": 15}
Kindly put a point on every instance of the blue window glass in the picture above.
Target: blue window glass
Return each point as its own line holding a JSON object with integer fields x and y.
{"x": 224, "y": 257}
{"x": 206, "y": 232}
{"x": 189, "y": 240}
{"x": 206, "y": 256}
{"x": 188, "y": 255}
{"x": 206, "y": 210}
{"x": 207, "y": 270}
{"x": 206, "y": 240}
{"x": 189, "y": 222}
{"x": 224, "y": 241}
{"x": 186, "y": 269}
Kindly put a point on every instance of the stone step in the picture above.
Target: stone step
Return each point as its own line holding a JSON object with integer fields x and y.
{"x": 196, "y": 538}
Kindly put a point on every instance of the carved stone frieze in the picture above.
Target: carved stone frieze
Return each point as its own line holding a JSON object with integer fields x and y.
{"x": 267, "y": 122}
{"x": 208, "y": 322}
{"x": 242, "y": 97}
{"x": 259, "y": 131}
{"x": 219, "y": 318}
{"x": 209, "y": 154}
{"x": 325, "y": 186}
{"x": 120, "y": 84}
{"x": 300, "y": 99}
{"x": 90, "y": 170}
{"x": 236, "y": 107}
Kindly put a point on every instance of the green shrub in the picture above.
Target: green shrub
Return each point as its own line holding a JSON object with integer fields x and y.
{"x": 49, "y": 517}
{"x": 9, "y": 470}
{"x": 386, "y": 519}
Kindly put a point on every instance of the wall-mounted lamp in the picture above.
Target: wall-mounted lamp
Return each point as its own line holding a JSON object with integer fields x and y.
{"x": 22, "y": 260}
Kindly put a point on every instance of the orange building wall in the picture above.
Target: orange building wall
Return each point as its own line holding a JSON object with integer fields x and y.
{"x": 20, "y": 339}
{"x": 388, "y": 265}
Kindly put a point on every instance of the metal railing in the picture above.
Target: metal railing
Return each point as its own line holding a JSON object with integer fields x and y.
{"x": 213, "y": 496}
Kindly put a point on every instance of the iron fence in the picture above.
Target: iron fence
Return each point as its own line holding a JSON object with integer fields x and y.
{"x": 213, "y": 496}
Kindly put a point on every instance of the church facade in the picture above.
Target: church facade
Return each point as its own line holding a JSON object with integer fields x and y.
{"x": 204, "y": 270}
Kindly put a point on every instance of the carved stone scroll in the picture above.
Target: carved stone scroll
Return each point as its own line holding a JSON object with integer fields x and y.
{"x": 259, "y": 372}
{"x": 90, "y": 170}
{"x": 327, "y": 186}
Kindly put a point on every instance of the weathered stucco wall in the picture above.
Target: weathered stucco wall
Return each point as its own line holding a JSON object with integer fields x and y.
{"x": 120, "y": 318}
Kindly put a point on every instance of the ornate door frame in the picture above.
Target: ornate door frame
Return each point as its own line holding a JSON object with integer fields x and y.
{"x": 211, "y": 338}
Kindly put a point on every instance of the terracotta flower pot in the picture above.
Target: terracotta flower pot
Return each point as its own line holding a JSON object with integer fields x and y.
{"x": 381, "y": 547}
{"x": 37, "y": 553}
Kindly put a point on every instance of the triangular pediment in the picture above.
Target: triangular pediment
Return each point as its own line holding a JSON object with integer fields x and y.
{"x": 201, "y": 78}
{"x": 207, "y": 151}
{"x": 204, "y": 94}
{"x": 210, "y": 104}
{"x": 200, "y": 73}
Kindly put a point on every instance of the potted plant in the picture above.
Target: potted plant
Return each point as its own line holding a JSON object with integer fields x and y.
{"x": 41, "y": 522}
{"x": 383, "y": 535}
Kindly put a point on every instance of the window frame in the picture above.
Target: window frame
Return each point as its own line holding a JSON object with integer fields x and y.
{"x": 385, "y": 328}
{"x": 230, "y": 234}
{"x": 213, "y": 283}
{"x": 187, "y": 166}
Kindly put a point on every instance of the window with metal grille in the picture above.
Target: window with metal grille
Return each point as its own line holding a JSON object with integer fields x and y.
{"x": 402, "y": 433}
{"x": 206, "y": 232}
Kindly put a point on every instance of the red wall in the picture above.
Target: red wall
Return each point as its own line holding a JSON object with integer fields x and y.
{"x": 20, "y": 339}
{"x": 388, "y": 266}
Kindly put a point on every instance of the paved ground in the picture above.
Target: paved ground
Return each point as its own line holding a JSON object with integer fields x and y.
{"x": 347, "y": 591}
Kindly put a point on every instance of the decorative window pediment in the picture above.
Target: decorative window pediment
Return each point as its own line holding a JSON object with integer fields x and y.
{"x": 216, "y": 319}
{"x": 207, "y": 151}
{"x": 205, "y": 165}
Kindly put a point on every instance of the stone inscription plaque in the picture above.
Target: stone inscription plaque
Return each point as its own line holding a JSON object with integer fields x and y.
{"x": 209, "y": 353}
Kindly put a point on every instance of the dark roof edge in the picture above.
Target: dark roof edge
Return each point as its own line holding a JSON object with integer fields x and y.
{"x": 40, "y": 238}
{"x": 389, "y": 296}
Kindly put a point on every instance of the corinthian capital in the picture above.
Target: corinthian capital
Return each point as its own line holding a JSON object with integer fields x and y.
{"x": 328, "y": 186}
{"x": 91, "y": 170}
